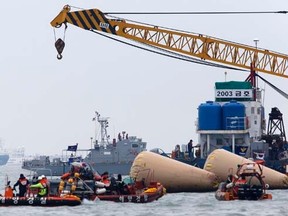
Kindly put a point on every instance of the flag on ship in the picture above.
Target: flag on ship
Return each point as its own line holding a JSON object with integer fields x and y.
{"x": 72, "y": 147}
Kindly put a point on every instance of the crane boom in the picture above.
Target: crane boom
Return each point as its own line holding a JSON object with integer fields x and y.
{"x": 189, "y": 44}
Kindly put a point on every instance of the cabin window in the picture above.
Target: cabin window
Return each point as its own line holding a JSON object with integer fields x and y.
{"x": 134, "y": 145}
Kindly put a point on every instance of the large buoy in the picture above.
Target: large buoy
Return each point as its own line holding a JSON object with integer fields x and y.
{"x": 174, "y": 175}
{"x": 222, "y": 163}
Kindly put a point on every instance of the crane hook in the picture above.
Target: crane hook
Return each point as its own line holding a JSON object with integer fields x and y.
{"x": 59, "y": 56}
{"x": 59, "y": 45}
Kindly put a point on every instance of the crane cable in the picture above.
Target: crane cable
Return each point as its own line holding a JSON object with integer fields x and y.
{"x": 189, "y": 59}
{"x": 273, "y": 86}
{"x": 193, "y": 12}
{"x": 169, "y": 53}
{"x": 165, "y": 52}
{"x": 200, "y": 13}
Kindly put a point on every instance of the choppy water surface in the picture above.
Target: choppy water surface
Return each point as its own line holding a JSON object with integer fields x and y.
{"x": 171, "y": 204}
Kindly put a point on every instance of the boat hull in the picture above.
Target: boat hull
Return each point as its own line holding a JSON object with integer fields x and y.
{"x": 143, "y": 197}
{"x": 227, "y": 196}
{"x": 44, "y": 201}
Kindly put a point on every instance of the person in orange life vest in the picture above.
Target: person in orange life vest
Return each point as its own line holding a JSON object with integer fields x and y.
{"x": 240, "y": 181}
{"x": 105, "y": 178}
{"x": 8, "y": 191}
{"x": 22, "y": 183}
{"x": 75, "y": 168}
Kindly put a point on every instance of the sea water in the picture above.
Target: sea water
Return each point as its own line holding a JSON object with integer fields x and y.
{"x": 170, "y": 204}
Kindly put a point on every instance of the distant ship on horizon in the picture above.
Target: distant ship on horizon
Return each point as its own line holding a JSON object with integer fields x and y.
{"x": 16, "y": 156}
{"x": 4, "y": 156}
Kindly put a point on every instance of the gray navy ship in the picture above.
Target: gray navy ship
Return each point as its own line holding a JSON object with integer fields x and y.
{"x": 116, "y": 157}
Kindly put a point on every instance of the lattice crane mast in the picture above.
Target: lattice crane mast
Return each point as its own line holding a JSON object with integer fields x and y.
{"x": 179, "y": 42}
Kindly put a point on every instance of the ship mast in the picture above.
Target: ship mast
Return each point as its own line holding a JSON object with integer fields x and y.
{"x": 104, "y": 138}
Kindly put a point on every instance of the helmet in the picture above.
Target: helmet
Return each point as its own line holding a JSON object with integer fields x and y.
{"x": 76, "y": 164}
{"x": 40, "y": 177}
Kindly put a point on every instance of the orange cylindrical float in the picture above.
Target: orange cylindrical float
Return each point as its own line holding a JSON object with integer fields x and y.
{"x": 175, "y": 176}
{"x": 222, "y": 163}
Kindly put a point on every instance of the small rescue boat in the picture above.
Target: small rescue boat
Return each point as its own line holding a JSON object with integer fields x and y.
{"x": 82, "y": 181}
{"x": 136, "y": 194}
{"x": 247, "y": 184}
{"x": 31, "y": 199}
{"x": 125, "y": 191}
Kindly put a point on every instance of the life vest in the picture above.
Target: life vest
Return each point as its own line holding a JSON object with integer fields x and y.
{"x": 44, "y": 190}
{"x": 8, "y": 192}
{"x": 240, "y": 182}
{"x": 42, "y": 187}
{"x": 65, "y": 176}
{"x": 105, "y": 179}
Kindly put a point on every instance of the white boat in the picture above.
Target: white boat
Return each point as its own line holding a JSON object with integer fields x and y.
{"x": 16, "y": 156}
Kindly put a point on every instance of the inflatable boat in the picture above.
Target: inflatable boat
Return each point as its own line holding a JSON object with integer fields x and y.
{"x": 31, "y": 199}
{"x": 37, "y": 201}
{"x": 124, "y": 191}
{"x": 247, "y": 184}
{"x": 136, "y": 194}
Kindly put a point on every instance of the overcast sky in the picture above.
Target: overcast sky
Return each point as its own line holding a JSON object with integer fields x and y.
{"x": 47, "y": 104}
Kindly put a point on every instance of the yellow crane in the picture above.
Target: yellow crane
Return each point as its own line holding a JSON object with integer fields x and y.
{"x": 189, "y": 44}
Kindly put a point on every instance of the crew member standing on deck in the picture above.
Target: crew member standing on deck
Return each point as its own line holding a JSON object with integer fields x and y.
{"x": 190, "y": 147}
{"x": 177, "y": 151}
{"x": 22, "y": 183}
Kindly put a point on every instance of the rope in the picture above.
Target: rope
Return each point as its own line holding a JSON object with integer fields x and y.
{"x": 201, "y": 13}
{"x": 274, "y": 87}
{"x": 170, "y": 53}
{"x": 54, "y": 34}
{"x": 192, "y": 12}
